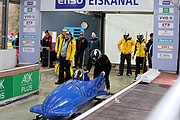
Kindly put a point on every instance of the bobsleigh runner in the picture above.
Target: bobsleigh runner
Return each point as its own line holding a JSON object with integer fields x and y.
{"x": 65, "y": 100}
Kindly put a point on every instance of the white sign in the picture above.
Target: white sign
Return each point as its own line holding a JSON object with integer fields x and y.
{"x": 166, "y": 2}
{"x": 166, "y": 17}
{"x": 30, "y": 10}
{"x": 165, "y": 32}
{"x": 166, "y": 25}
{"x": 97, "y": 5}
{"x": 29, "y": 3}
{"x": 165, "y": 55}
{"x": 29, "y": 16}
{"x": 166, "y": 10}
{"x": 29, "y": 23}
{"x": 29, "y": 29}
{"x": 165, "y": 48}
{"x": 28, "y": 50}
{"x": 28, "y": 43}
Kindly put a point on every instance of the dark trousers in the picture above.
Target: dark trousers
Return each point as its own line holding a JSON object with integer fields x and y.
{"x": 64, "y": 67}
{"x": 124, "y": 57}
{"x": 97, "y": 72}
{"x": 45, "y": 57}
{"x": 79, "y": 55}
{"x": 140, "y": 61}
{"x": 150, "y": 62}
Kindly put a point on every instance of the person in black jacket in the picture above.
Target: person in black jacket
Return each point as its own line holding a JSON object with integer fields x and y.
{"x": 101, "y": 63}
{"x": 81, "y": 45}
{"x": 150, "y": 42}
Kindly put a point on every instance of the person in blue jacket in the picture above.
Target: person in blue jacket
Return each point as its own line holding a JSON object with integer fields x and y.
{"x": 94, "y": 43}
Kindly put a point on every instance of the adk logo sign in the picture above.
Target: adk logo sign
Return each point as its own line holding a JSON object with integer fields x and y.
{"x": 2, "y": 89}
{"x": 26, "y": 83}
{"x": 70, "y": 4}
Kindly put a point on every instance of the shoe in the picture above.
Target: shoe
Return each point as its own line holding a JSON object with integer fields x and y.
{"x": 119, "y": 74}
{"x": 57, "y": 83}
{"x": 108, "y": 92}
{"x": 129, "y": 74}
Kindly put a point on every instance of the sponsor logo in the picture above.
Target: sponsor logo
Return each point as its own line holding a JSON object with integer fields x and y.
{"x": 26, "y": 83}
{"x": 165, "y": 41}
{"x": 165, "y": 32}
{"x": 29, "y": 29}
{"x": 2, "y": 89}
{"x": 70, "y": 4}
{"x": 165, "y": 55}
{"x": 29, "y": 3}
{"x": 28, "y": 43}
{"x": 30, "y": 10}
{"x": 28, "y": 36}
{"x": 166, "y": 25}
{"x": 165, "y": 48}
{"x": 28, "y": 50}
{"x": 29, "y": 23}
{"x": 29, "y": 16}
{"x": 166, "y": 10}
{"x": 166, "y": 2}
{"x": 166, "y": 17}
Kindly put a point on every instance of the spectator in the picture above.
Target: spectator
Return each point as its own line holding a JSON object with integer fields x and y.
{"x": 15, "y": 44}
{"x": 94, "y": 43}
{"x": 101, "y": 63}
{"x": 10, "y": 37}
{"x": 47, "y": 42}
{"x": 81, "y": 45}
{"x": 125, "y": 45}
{"x": 66, "y": 51}
{"x": 59, "y": 38}
{"x": 150, "y": 42}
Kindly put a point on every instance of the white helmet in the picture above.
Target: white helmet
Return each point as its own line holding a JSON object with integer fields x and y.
{"x": 126, "y": 35}
{"x": 78, "y": 74}
{"x": 140, "y": 36}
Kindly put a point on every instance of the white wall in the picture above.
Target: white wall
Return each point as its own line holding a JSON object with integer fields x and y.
{"x": 117, "y": 24}
{"x": 7, "y": 59}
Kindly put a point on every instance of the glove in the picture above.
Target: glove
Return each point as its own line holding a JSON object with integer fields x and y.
{"x": 85, "y": 70}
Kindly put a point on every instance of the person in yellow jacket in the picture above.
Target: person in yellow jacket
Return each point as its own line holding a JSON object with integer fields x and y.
{"x": 140, "y": 53}
{"x": 65, "y": 55}
{"x": 125, "y": 45}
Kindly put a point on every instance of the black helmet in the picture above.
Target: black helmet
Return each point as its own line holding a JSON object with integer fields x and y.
{"x": 95, "y": 56}
{"x": 78, "y": 75}
{"x": 140, "y": 36}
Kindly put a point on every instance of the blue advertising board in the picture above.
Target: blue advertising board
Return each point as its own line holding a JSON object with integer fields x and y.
{"x": 29, "y": 31}
{"x": 166, "y": 35}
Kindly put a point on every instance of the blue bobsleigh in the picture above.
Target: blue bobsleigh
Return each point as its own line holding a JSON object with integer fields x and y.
{"x": 69, "y": 97}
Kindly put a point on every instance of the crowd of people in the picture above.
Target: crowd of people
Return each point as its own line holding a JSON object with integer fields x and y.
{"x": 69, "y": 49}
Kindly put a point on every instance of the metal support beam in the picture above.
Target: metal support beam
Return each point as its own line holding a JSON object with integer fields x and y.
{"x": 5, "y": 10}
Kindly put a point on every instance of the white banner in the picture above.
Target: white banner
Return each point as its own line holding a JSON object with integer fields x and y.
{"x": 97, "y": 5}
